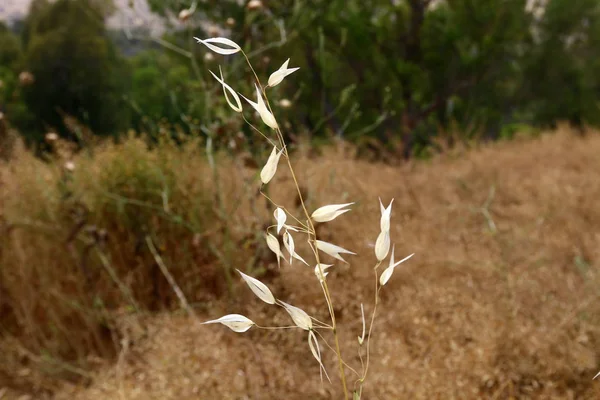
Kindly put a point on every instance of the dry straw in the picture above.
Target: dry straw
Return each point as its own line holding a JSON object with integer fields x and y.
{"x": 305, "y": 228}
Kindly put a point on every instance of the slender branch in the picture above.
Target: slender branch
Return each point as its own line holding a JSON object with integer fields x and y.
{"x": 124, "y": 289}
{"x": 377, "y": 288}
{"x": 283, "y": 208}
{"x": 163, "y": 268}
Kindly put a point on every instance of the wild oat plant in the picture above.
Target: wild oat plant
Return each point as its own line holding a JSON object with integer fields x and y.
{"x": 303, "y": 226}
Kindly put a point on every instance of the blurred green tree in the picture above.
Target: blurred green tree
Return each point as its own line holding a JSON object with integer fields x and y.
{"x": 376, "y": 67}
{"x": 162, "y": 90}
{"x": 562, "y": 81}
{"x": 76, "y": 70}
{"x": 12, "y": 106}
{"x": 401, "y": 71}
{"x": 10, "y": 48}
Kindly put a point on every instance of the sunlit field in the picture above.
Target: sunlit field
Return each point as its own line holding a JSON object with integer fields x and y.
{"x": 499, "y": 301}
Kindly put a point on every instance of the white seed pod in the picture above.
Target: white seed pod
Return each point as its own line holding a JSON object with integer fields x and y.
{"x": 386, "y": 214}
{"x": 387, "y": 273}
{"x": 268, "y": 171}
{"x": 288, "y": 242}
{"x": 361, "y": 338}
{"x": 301, "y": 319}
{"x": 329, "y": 212}
{"x": 231, "y": 46}
{"x": 273, "y": 244}
{"x": 260, "y": 289}
{"x": 237, "y": 107}
{"x": 280, "y": 217}
{"x": 277, "y": 77}
{"x": 382, "y": 245}
{"x": 235, "y": 322}
{"x": 313, "y": 344}
{"x": 333, "y": 250}
{"x": 262, "y": 109}
{"x": 324, "y": 267}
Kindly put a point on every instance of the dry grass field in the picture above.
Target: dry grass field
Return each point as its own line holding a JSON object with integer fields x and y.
{"x": 500, "y": 301}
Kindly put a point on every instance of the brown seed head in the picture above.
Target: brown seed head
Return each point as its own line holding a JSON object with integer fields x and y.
{"x": 51, "y": 137}
{"x": 184, "y": 15}
{"x": 254, "y": 5}
{"x": 26, "y": 78}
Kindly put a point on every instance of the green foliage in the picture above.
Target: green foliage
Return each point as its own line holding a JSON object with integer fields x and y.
{"x": 562, "y": 78}
{"x": 10, "y": 48}
{"x": 382, "y": 68}
{"x": 11, "y": 101}
{"x": 76, "y": 70}
{"x": 162, "y": 90}
{"x": 8, "y": 86}
{"x": 396, "y": 71}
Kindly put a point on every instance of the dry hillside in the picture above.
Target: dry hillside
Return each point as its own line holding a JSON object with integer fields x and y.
{"x": 501, "y": 300}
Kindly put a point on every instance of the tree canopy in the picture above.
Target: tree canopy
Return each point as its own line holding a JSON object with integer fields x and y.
{"x": 76, "y": 69}
{"x": 401, "y": 71}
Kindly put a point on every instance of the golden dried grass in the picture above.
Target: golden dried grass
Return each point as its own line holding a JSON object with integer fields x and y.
{"x": 500, "y": 301}
{"x": 74, "y": 250}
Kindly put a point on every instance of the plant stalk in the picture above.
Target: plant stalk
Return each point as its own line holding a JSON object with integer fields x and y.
{"x": 325, "y": 287}
{"x": 312, "y": 232}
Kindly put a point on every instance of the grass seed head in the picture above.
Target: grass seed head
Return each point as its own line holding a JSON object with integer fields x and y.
{"x": 260, "y": 289}
{"x": 262, "y": 109}
{"x": 382, "y": 245}
{"x": 288, "y": 242}
{"x": 231, "y": 47}
{"x": 280, "y": 216}
{"x": 386, "y": 214}
{"x": 333, "y": 250}
{"x": 237, "y": 107}
{"x": 235, "y": 322}
{"x": 278, "y": 76}
{"x": 323, "y": 268}
{"x": 329, "y": 212}
{"x": 273, "y": 244}
{"x": 268, "y": 171}
{"x": 313, "y": 344}
{"x": 387, "y": 273}
{"x": 300, "y": 318}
